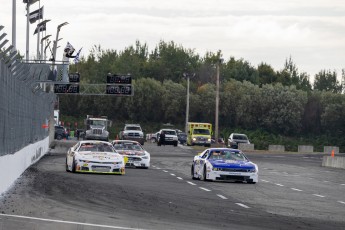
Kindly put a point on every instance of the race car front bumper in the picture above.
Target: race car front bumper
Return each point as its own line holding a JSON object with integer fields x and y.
{"x": 100, "y": 168}
{"x": 232, "y": 176}
{"x": 135, "y": 161}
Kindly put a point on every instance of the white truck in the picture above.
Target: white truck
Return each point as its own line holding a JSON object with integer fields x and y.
{"x": 132, "y": 132}
{"x": 96, "y": 128}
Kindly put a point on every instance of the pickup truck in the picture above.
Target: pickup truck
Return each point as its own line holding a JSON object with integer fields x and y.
{"x": 132, "y": 132}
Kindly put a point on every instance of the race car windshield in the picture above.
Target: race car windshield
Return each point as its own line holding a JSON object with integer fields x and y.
{"x": 226, "y": 155}
{"x": 127, "y": 146}
{"x": 201, "y": 131}
{"x": 96, "y": 148}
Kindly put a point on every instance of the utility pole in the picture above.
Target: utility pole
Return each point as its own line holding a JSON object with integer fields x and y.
{"x": 27, "y": 30}
{"x": 216, "y": 131}
{"x": 187, "y": 75}
{"x": 14, "y": 7}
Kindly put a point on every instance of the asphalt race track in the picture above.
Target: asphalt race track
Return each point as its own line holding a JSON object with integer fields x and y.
{"x": 294, "y": 192}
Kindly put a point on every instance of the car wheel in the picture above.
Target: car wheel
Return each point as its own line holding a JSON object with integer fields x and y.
{"x": 175, "y": 144}
{"x": 67, "y": 170}
{"x": 203, "y": 175}
{"x": 192, "y": 172}
{"x": 73, "y": 166}
{"x": 59, "y": 137}
{"x": 250, "y": 182}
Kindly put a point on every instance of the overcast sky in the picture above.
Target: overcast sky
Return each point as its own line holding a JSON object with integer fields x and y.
{"x": 270, "y": 31}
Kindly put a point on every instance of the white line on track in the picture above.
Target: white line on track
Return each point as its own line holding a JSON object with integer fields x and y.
{"x": 342, "y": 184}
{"x": 67, "y": 222}
{"x": 342, "y": 202}
{"x": 191, "y": 183}
{"x": 179, "y": 178}
{"x": 154, "y": 166}
{"x": 296, "y": 189}
{"x": 205, "y": 189}
{"x": 242, "y": 205}
{"x": 325, "y": 181}
{"x": 318, "y": 195}
{"x": 172, "y": 174}
{"x": 221, "y": 196}
{"x": 280, "y": 185}
{"x": 158, "y": 168}
{"x": 265, "y": 181}
{"x": 165, "y": 171}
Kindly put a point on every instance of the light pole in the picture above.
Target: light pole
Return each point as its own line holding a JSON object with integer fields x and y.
{"x": 45, "y": 50}
{"x": 14, "y": 24}
{"x": 42, "y": 40}
{"x": 219, "y": 61}
{"x": 56, "y": 40}
{"x": 39, "y": 25}
{"x": 187, "y": 75}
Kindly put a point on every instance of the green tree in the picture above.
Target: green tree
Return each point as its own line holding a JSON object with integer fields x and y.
{"x": 327, "y": 81}
{"x": 240, "y": 70}
{"x": 267, "y": 75}
{"x": 282, "y": 108}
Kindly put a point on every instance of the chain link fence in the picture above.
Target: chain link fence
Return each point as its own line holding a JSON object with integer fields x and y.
{"x": 25, "y": 102}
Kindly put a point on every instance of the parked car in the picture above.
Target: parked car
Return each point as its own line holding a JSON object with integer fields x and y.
{"x": 132, "y": 132}
{"x": 236, "y": 138}
{"x": 60, "y": 132}
{"x": 169, "y": 135}
{"x": 182, "y": 138}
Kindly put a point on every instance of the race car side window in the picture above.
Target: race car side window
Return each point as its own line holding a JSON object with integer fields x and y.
{"x": 205, "y": 155}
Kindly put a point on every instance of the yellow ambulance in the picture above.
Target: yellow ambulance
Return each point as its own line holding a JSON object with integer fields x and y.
{"x": 199, "y": 134}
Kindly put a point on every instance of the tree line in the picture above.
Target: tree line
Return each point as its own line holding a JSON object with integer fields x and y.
{"x": 282, "y": 102}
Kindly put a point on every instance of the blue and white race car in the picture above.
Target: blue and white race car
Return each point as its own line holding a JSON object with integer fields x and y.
{"x": 224, "y": 164}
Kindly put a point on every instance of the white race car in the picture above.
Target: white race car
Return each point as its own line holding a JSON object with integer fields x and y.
{"x": 95, "y": 157}
{"x": 137, "y": 155}
{"x": 224, "y": 164}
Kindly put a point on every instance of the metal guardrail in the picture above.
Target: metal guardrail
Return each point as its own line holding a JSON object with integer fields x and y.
{"x": 25, "y": 104}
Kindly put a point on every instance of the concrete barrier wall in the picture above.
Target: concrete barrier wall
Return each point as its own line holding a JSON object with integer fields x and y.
{"x": 245, "y": 146}
{"x": 13, "y": 165}
{"x": 334, "y": 162}
{"x": 328, "y": 149}
{"x": 276, "y": 148}
{"x": 305, "y": 148}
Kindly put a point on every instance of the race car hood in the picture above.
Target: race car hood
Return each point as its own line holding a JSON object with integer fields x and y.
{"x": 99, "y": 156}
{"x": 131, "y": 152}
{"x": 232, "y": 164}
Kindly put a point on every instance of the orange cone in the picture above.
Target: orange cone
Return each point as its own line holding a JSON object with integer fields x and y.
{"x": 332, "y": 154}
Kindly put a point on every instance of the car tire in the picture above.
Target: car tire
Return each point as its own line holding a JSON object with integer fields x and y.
{"x": 73, "y": 166}
{"x": 203, "y": 176}
{"x": 67, "y": 170}
{"x": 192, "y": 172}
{"x": 59, "y": 137}
{"x": 251, "y": 181}
{"x": 175, "y": 144}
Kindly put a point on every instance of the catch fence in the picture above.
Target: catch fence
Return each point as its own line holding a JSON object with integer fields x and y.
{"x": 26, "y": 104}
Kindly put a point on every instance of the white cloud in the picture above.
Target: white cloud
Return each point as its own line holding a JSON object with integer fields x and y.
{"x": 312, "y": 32}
